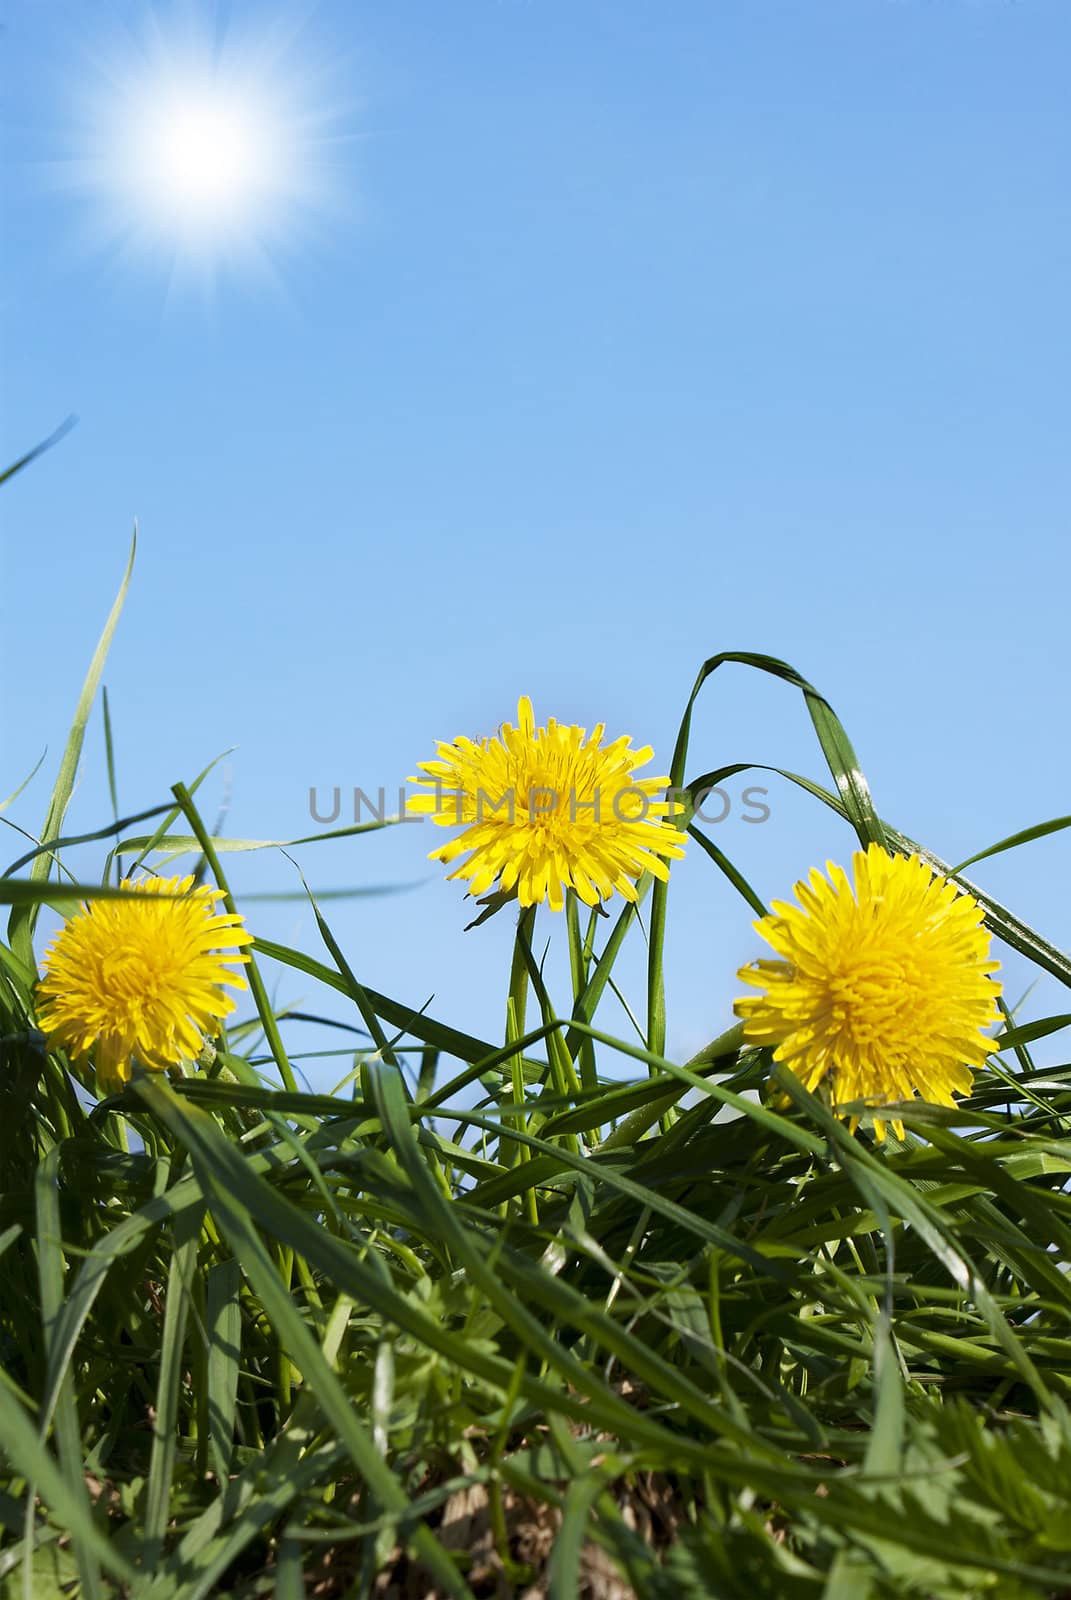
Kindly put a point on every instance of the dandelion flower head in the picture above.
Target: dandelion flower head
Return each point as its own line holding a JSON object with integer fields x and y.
{"x": 141, "y": 978}
{"x": 882, "y": 987}
{"x": 545, "y": 809}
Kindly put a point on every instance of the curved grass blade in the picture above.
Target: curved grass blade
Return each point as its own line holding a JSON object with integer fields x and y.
{"x": 179, "y": 844}
{"x": 841, "y": 759}
{"x": 1040, "y": 830}
{"x": 999, "y": 919}
{"x": 51, "y": 846}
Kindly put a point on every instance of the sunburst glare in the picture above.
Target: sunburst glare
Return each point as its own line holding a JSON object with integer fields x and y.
{"x": 207, "y": 151}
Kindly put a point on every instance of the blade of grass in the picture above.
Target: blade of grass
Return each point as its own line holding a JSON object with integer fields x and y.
{"x": 39, "y": 449}
{"x": 223, "y": 1321}
{"x": 252, "y": 972}
{"x": 187, "y": 1234}
{"x": 23, "y": 918}
{"x": 50, "y": 1268}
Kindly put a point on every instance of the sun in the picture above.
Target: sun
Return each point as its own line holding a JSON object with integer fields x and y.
{"x": 202, "y": 160}
{"x": 206, "y": 154}
{"x": 203, "y": 151}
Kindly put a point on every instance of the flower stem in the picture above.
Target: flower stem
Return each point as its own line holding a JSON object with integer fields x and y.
{"x": 513, "y": 1087}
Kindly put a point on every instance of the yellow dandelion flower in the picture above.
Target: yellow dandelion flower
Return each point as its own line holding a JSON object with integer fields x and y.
{"x": 882, "y": 990}
{"x": 140, "y": 979}
{"x": 546, "y": 809}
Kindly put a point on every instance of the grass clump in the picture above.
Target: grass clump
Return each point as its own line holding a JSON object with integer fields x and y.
{"x": 551, "y": 1316}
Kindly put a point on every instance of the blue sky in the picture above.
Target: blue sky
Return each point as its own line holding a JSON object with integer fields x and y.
{"x": 632, "y": 333}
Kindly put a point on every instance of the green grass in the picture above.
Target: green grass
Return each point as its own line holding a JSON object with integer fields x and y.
{"x": 541, "y": 1314}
